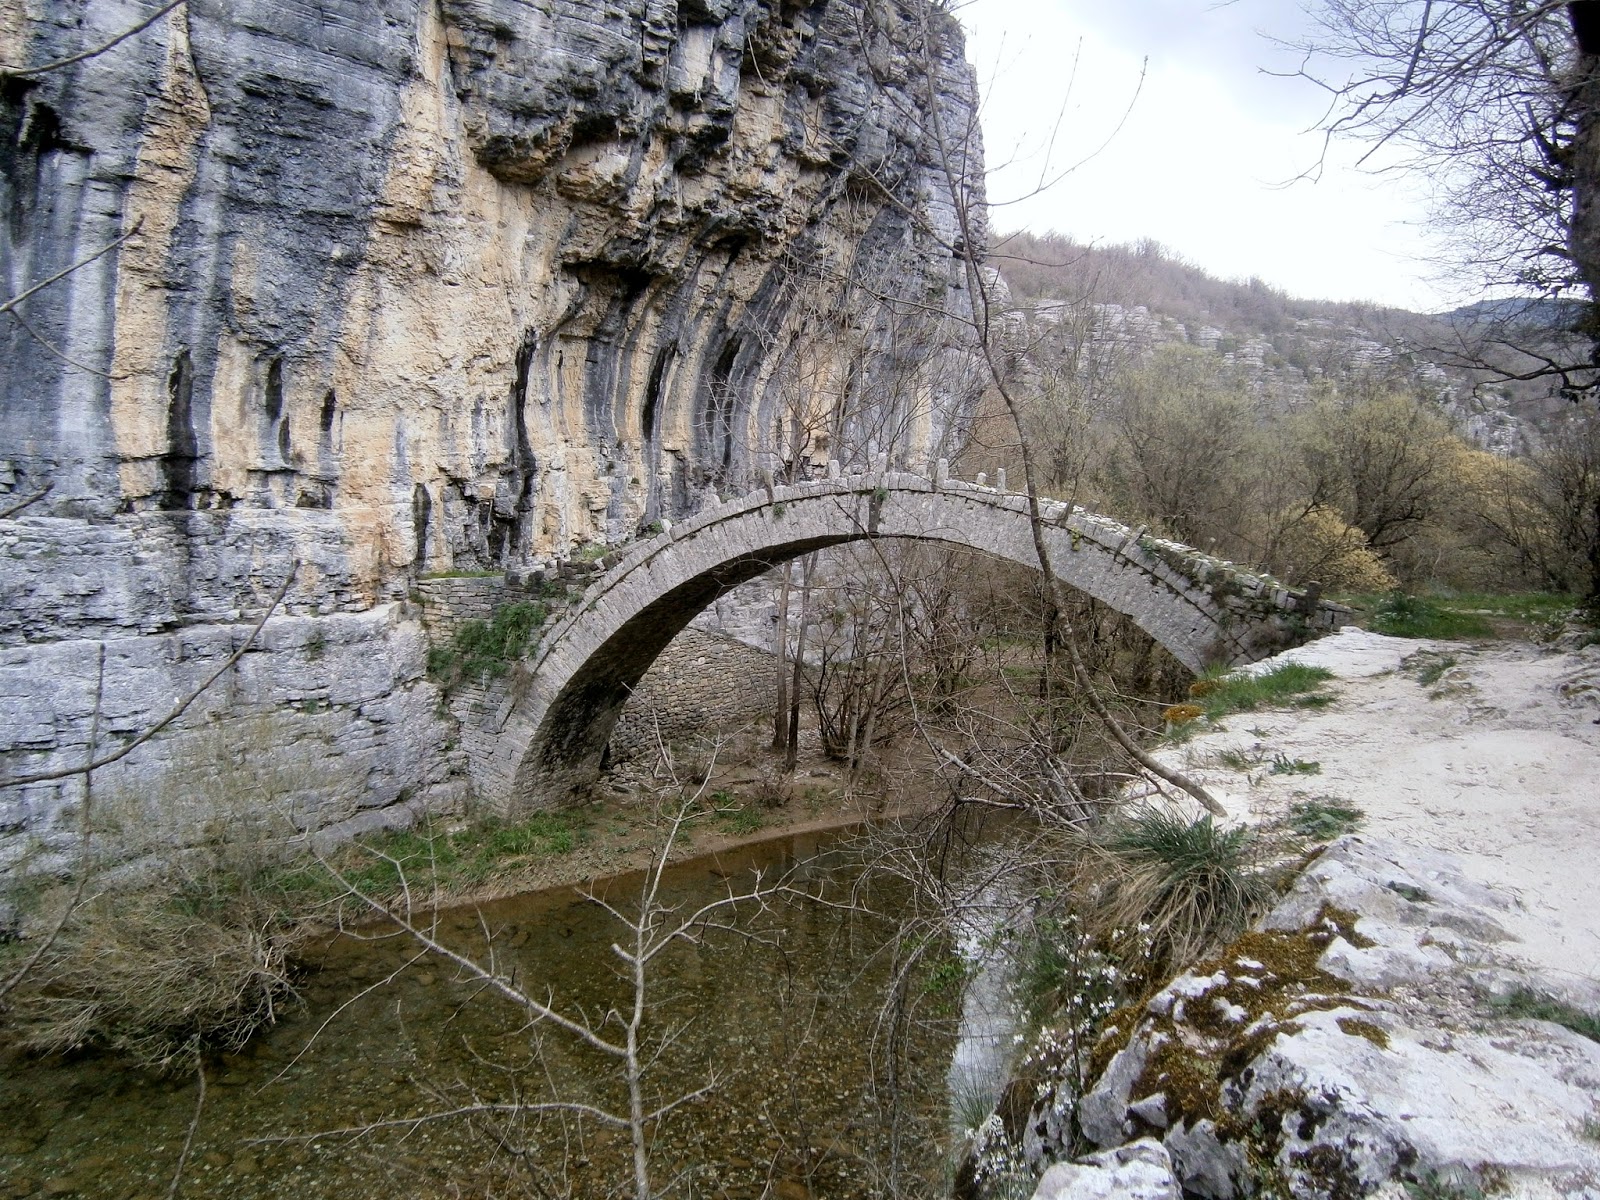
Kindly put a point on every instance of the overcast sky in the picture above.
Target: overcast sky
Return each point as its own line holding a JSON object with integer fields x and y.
{"x": 1206, "y": 151}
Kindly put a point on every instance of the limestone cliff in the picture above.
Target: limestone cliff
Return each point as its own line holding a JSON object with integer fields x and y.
{"x": 480, "y": 278}
{"x": 410, "y": 286}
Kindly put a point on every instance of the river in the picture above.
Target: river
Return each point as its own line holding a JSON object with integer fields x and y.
{"x": 788, "y": 1022}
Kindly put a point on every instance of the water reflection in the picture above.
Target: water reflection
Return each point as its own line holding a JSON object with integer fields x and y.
{"x": 786, "y": 1022}
{"x": 980, "y": 1061}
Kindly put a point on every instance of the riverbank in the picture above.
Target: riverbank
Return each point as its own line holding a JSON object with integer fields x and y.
{"x": 1417, "y": 1015}
{"x": 1489, "y": 751}
{"x": 745, "y": 803}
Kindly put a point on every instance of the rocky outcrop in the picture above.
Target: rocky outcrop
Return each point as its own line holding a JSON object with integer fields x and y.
{"x": 1353, "y": 1044}
{"x": 481, "y": 278}
{"x": 431, "y": 285}
{"x": 1141, "y": 1170}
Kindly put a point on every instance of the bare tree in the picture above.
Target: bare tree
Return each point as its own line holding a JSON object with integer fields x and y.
{"x": 650, "y": 927}
{"x": 1498, "y": 103}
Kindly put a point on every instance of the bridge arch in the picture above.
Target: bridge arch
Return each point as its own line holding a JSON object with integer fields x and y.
{"x": 551, "y": 729}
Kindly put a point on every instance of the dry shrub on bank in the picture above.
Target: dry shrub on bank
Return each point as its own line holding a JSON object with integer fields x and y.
{"x": 157, "y": 976}
{"x": 185, "y": 939}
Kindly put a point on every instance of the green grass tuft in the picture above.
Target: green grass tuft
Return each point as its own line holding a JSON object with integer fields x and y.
{"x": 1291, "y": 683}
{"x": 1241, "y": 760}
{"x": 1428, "y": 666}
{"x": 463, "y": 857}
{"x": 1527, "y": 1004}
{"x": 1282, "y": 764}
{"x": 1324, "y": 818}
{"x": 1400, "y": 615}
{"x": 1194, "y": 885}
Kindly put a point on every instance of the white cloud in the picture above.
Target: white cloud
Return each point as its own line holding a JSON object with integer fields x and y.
{"x": 1202, "y": 158}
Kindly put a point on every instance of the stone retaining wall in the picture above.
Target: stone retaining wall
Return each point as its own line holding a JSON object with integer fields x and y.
{"x": 702, "y": 685}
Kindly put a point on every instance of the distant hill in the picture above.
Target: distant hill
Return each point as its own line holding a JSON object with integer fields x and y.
{"x": 1532, "y": 312}
{"x": 1142, "y": 295}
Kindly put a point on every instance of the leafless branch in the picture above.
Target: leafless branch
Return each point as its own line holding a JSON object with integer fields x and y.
{"x": 25, "y": 503}
{"x": 194, "y": 1125}
{"x": 513, "y": 1109}
{"x": 12, "y": 303}
{"x": 177, "y": 711}
{"x": 94, "y": 52}
{"x": 85, "y": 828}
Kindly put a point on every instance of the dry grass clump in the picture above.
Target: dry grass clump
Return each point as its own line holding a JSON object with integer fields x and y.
{"x": 157, "y": 975}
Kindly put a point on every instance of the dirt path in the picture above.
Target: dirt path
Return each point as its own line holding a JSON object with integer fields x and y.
{"x": 1493, "y": 754}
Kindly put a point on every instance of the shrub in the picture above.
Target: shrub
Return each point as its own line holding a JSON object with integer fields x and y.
{"x": 159, "y": 975}
{"x": 1322, "y": 545}
{"x": 1182, "y": 714}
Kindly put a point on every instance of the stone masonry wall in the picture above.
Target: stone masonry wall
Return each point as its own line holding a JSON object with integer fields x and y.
{"x": 703, "y": 685}
{"x": 712, "y": 677}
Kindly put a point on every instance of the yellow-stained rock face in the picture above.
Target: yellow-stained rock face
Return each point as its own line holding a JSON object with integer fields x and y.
{"x": 484, "y": 281}
{"x": 377, "y": 289}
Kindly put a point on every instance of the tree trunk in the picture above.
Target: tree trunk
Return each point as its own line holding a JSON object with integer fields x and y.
{"x": 780, "y": 650}
{"x": 1583, "y": 164}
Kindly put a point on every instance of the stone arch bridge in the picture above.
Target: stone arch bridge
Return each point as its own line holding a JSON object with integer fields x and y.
{"x": 544, "y": 739}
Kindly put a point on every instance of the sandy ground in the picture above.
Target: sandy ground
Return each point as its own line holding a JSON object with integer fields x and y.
{"x": 1497, "y": 762}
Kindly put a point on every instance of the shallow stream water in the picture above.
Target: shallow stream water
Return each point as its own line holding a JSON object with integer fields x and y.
{"x": 789, "y": 1024}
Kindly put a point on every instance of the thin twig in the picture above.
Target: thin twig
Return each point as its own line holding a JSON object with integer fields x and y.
{"x": 194, "y": 1125}
{"x": 33, "y": 499}
{"x": 84, "y": 830}
{"x": 351, "y": 1131}
{"x": 21, "y": 72}
{"x": 65, "y": 271}
{"x": 178, "y": 710}
{"x": 56, "y": 352}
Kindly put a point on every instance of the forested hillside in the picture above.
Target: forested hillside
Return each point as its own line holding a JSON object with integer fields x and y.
{"x": 1354, "y": 445}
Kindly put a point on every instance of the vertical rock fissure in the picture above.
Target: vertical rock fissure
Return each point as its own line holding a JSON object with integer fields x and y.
{"x": 183, "y": 446}
{"x": 720, "y": 409}
{"x": 524, "y": 465}
{"x": 650, "y": 430}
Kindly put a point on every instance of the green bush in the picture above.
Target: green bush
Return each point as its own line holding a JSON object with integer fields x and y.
{"x": 487, "y": 648}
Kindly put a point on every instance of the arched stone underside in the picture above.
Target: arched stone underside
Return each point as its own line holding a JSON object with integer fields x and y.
{"x": 550, "y": 733}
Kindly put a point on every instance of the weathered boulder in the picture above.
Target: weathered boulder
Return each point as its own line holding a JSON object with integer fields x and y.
{"x": 1140, "y": 1170}
{"x": 1348, "y": 1043}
